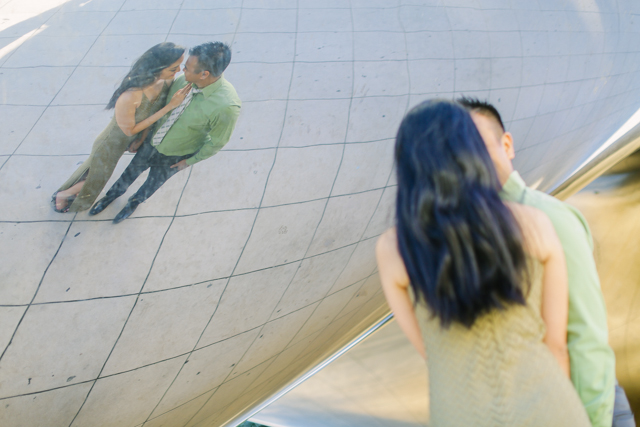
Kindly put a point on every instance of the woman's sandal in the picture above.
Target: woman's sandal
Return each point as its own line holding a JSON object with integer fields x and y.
{"x": 70, "y": 200}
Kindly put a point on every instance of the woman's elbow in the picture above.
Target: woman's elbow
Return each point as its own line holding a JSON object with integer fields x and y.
{"x": 558, "y": 347}
{"x": 561, "y": 353}
{"x": 127, "y": 131}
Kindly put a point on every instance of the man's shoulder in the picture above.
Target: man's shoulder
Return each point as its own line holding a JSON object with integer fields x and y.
{"x": 548, "y": 203}
{"x": 565, "y": 218}
{"x": 228, "y": 94}
{"x": 224, "y": 101}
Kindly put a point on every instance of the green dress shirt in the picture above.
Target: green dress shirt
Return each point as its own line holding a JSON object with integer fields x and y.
{"x": 592, "y": 360}
{"x": 205, "y": 126}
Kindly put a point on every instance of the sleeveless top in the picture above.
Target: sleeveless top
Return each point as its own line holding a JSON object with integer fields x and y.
{"x": 499, "y": 372}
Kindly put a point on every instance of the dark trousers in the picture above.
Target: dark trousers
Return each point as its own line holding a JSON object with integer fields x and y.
{"x": 146, "y": 157}
{"x": 622, "y": 413}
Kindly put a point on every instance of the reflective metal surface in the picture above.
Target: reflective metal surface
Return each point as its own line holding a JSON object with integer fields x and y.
{"x": 381, "y": 382}
{"x": 252, "y": 267}
{"x": 310, "y": 373}
{"x": 616, "y": 149}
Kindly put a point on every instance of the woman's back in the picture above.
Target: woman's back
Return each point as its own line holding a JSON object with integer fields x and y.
{"x": 498, "y": 372}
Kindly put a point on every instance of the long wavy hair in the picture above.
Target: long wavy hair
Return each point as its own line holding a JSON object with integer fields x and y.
{"x": 461, "y": 246}
{"x": 147, "y": 68}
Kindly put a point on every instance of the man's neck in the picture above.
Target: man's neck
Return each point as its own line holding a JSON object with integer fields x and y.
{"x": 207, "y": 82}
{"x": 503, "y": 175}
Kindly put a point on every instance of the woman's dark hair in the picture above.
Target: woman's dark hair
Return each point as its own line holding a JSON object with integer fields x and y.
{"x": 147, "y": 68}
{"x": 461, "y": 246}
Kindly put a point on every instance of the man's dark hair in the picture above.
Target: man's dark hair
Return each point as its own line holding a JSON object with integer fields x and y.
{"x": 213, "y": 57}
{"x": 482, "y": 107}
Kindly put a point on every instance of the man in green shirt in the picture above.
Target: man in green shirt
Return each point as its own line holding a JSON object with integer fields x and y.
{"x": 591, "y": 358}
{"x": 194, "y": 131}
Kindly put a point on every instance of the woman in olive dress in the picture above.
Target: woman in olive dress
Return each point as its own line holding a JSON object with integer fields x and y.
{"x": 139, "y": 102}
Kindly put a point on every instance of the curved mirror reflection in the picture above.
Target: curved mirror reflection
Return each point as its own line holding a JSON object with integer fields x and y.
{"x": 251, "y": 261}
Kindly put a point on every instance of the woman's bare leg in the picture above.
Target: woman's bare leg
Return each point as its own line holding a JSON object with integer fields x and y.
{"x": 63, "y": 196}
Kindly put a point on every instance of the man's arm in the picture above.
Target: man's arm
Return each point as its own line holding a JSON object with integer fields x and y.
{"x": 220, "y": 133}
{"x": 591, "y": 358}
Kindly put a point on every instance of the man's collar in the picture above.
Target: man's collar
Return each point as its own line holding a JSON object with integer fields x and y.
{"x": 209, "y": 89}
{"x": 513, "y": 189}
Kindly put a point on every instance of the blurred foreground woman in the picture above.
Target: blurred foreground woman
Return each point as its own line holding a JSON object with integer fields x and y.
{"x": 478, "y": 286}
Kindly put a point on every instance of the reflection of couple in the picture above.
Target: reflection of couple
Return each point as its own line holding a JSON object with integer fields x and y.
{"x": 195, "y": 124}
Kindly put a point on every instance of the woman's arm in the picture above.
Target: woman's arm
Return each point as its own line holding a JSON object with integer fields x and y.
{"x": 129, "y": 101}
{"x": 136, "y": 143}
{"x": 555, "y": 297}
{"x": 541, "y": 241}
{"x": 395, "y": 284}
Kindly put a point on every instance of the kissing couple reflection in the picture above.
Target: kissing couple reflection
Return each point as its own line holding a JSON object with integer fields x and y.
{"x": 167, "y": 137}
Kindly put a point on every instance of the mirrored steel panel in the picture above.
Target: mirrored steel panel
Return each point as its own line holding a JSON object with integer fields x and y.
{"x": 246, "y": 270}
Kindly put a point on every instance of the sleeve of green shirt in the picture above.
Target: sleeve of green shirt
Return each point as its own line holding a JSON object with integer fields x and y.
{"x": 592, "y": 360}
{"x": 221, "y": 128}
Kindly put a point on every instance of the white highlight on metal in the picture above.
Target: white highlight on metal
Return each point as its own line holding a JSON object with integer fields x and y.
{"x": 626, "y": 127}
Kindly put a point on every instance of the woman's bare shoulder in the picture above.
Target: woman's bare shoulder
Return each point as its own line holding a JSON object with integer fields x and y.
{"x": 528, "y": 216}
{"x": 130, "y": 96}
{"x": 388, "y": 241}
{"x": 390, "y": 263}
{"x": 387, "y": 248}
{"x": 521, "y": 210}
{"x": 537, "y": 230}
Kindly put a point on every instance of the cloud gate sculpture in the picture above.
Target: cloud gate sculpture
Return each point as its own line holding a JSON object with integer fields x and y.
{"x": 249, "y": 269}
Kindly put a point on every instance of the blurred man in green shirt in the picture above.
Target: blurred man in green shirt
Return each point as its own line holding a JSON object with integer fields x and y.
{"x": 192, "y": 132}
{"x": 591, "y": 358}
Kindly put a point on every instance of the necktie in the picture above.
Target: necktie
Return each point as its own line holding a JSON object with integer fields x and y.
{"x": 157, "y": 138}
